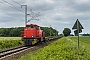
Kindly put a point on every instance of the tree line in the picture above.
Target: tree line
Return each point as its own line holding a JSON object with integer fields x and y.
{"x": 15, "y": 32}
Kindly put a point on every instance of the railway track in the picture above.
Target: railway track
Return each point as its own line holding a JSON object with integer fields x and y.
{"x": 11, "y": 53}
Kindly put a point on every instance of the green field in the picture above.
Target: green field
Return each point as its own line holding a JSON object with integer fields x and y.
{"x": 10, "y": 38}
{"x": 62, "y": 49}
{"x": 8, "y": 42}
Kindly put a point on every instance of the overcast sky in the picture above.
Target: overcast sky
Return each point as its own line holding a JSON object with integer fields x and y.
{"x": 59, "y": 14}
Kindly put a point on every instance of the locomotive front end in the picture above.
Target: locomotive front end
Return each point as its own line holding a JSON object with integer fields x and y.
{"x": 32, "y": 34}
{"x": 29, "y": 35}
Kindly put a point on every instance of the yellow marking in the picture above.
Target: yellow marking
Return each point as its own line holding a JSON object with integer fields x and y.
{"x": 34, "y": 41}
{"x": 22, "y": 42}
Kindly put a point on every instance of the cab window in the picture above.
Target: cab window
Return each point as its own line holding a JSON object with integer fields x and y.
{"x": 31, "y": 27}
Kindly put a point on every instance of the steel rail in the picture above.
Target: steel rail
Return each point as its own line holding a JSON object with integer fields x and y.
{"x": 11, "y": 51}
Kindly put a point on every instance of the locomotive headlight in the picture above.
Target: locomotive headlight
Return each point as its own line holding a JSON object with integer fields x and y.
{"x": 24, "y": 36}
{"x": 32, "y": 35}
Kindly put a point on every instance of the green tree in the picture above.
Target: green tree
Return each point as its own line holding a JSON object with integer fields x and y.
{"x": 66, "y": 31}
{"x": 47, "y": 31}
{"x": 15, "y": 32}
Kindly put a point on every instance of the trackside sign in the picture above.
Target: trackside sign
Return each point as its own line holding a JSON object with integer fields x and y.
{"x": 77, "y": 29}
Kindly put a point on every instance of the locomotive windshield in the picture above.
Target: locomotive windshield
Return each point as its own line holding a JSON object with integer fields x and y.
{"x": 30, "y": 26}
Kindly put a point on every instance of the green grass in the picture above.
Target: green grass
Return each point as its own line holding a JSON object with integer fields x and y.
{"x": 10, "y": 38}
{"x": 62, "y": 49}
{"x": 8, "y": 42}
{"x": 85, "y": 39}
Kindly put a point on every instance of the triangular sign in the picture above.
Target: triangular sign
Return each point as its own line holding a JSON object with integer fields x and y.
{"x": 79, "y": 25}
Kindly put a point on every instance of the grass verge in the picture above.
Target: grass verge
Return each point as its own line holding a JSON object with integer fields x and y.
{"x": 62, "y": 49}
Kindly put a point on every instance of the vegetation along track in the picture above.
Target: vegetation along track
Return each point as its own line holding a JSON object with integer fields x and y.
{"x": 21, "y": 50}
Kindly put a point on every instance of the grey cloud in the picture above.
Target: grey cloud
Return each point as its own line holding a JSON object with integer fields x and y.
{"x": 42, "y": 5}
{"x": 58, "y": 13}
{"x": 78, "y": 6}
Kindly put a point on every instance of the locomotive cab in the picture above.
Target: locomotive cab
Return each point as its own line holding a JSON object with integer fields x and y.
{"x": 32, "y": 34}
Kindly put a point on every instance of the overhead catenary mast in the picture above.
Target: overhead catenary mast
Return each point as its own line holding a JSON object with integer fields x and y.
{"x": 32, "y": 15}
{"x": 25, "y": 14}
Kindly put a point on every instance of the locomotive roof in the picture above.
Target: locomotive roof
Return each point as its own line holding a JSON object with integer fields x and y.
{"x": 31, "y": 25}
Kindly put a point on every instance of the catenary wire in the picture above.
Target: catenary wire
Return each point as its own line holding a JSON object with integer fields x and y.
{"x": 11, "y": 5}
{"x": 16, "y": 2}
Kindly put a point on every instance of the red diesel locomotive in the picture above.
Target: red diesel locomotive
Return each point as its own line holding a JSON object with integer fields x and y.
{"x": 32, "y": 34}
